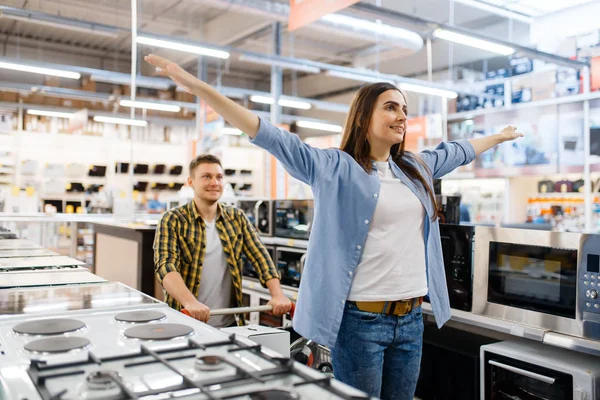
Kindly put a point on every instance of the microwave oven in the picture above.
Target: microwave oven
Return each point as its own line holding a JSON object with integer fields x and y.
{"x": 260, "y": 214}
{"x": 534, "y": 371}
{"x": 549, "y": 280}
{"x": 293, "y": 218}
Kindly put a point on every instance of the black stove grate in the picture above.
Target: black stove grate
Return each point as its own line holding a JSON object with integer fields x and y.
{"x": 40, "y": 372}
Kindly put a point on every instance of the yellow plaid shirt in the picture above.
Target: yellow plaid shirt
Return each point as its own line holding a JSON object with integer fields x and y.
{"x": 180, "y": 245}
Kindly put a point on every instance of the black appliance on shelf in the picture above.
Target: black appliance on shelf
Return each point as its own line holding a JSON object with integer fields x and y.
{"x": 175, "y": 186}
{"x": 450, "y": 364}
{"x": 290, "y": 262}
{"x": 448, "y": 209}
{"x": 458, "y": 248}
{"x": 176, "y": 170}
{"x": 260, "y": 213}
{"x": 97, "y": 170}
{"x": 75, "y": 187}
{"x": 140, "y": 186}
{"x": 293, "y": 218}
{"x": 159, "y": 186}
{"x": 122, "y": 168}
{"x": 140, "y": 169}
{"x": 159, "y": 169}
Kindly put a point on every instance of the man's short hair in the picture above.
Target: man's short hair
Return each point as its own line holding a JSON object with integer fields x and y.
{"x": 203, "y": 159}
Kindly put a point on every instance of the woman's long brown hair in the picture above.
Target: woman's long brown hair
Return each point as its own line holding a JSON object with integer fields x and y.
{"x": 355, "y": 140}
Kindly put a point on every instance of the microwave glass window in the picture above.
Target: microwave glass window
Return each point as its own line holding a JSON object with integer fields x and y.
{"x": 593, "y": 263}
{"x": 536, "y": 278}
{"x": 293, "y": 218}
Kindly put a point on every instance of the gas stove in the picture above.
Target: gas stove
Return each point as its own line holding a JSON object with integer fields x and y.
{"x": 204, "y": 364}
{"x": 71, "y": 336}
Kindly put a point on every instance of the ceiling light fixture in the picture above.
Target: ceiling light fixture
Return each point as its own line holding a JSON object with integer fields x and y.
{"x": 496, "y": 10}
{"x": 302, "y": 105}
{"x": 50, "y": 113}
{"x": 358, "y": 77}
{"x": 150, "y": 105}
{"x": 40, "y": 70}
{"x": 472, "y": 42}
{"x": 319, "y": 126}
{"x": 167, "y": 44}
{"x": 120, "y": 121}
{"x": 280, "y": 63}
{"x": 409, "y": 87}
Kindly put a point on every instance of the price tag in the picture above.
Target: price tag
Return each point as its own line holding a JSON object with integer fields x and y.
{"x": 290, "y": 242}
{"x": 29, "y": 191}
{"x": 295, "y": 296}
{"x": 16, "y": 191}
{"x": 251, "y": 285}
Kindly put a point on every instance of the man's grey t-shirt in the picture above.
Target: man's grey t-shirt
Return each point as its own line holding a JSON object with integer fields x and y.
{"x": 216, "y": 285}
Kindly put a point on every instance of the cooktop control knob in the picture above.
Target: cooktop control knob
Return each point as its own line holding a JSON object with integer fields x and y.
{"x": 593, "y": 294}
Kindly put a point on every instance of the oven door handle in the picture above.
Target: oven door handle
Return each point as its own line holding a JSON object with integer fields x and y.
{"x": 529, "y": 374}
{"x": 256, "y": 219}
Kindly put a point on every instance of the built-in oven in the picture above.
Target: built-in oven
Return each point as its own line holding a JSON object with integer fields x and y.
{"x": 549, "y": 280}
{"x": 260, "y": 213}
{"x": 293, "y": 218}
{"x": 247, "y": 268}
{"x": 457, "y": 249}
{"x": 528, "y": 370}
{"x": 290, "y": 262}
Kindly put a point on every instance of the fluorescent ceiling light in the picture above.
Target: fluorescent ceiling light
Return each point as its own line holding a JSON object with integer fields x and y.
{"x": 40, "y": 70}
{"x": 473, "y": 42}
{"x": 282, "y": 102}
{"x": 280, "y": 63}
{"x": 39, "y": 18}
{"x": 230, "y": 131}
{"x": 404, "y": 35}
{"x": 409, "y": 87}
{"x": 167, "y": 44}
{"x": 50, "y": 113}
{"x": 122, "y": 121}
{"x": 150, "y": 106}
{"x": 118, "y": 78}
{"x": 496, "y": 10}
{"x": 469, "y": 122}
{"x": 357, "y": 77}
{"x": 319, "y": 126}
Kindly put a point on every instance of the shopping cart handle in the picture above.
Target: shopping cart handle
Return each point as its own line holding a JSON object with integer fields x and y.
{"x": 241, "y": 310}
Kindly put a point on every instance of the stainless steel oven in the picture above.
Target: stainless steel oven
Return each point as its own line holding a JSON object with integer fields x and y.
{"x": 293, "y": 218}
{"x": 548, "y": 280}
{"x": 260, "y": 213}
{"x": 290, "y": 262}
{"x": 533, "y": 371}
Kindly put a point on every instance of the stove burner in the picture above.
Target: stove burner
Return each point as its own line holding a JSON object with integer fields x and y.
{"x": 102, "y": 380}
{"x": 49, "y": 326}
{"x": 209, "y": 363}
{"x": 140, "y": 316}
{"x": 57, "y": 344}
{"x": 274, "y": 394}
{"x": 158, "y": 331}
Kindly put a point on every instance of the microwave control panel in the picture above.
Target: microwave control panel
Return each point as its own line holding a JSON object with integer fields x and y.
{"x": 588, "y": 286}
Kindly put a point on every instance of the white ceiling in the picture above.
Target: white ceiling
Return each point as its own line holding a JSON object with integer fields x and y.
{"x": 536, "y": 8}
{"x": 237, "y": 24}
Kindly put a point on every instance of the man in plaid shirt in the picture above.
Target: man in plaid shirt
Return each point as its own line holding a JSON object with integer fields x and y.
{"x": 198, "y": 251}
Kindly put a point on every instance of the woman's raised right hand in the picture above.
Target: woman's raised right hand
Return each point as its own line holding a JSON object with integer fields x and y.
{"x": 165, "y": 67}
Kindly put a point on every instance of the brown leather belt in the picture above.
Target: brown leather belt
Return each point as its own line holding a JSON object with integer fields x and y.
{"x": 399, "y": 308}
